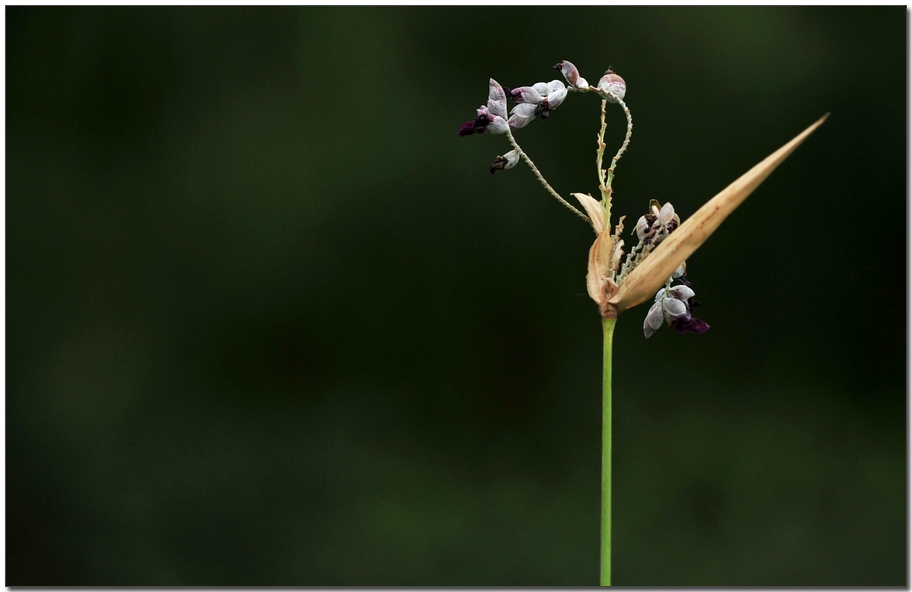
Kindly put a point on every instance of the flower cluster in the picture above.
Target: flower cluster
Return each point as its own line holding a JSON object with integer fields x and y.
{"x": 673, "y": 305}
{"x": 535, "y": 101}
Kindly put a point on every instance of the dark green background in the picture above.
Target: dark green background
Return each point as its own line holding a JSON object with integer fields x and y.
{"x": 269, "y": 321}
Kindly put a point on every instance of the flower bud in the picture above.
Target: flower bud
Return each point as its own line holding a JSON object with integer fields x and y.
{"x": 614, "y": 84}
{"x": 571, "y": 74}
{"x": 507, "y": 161}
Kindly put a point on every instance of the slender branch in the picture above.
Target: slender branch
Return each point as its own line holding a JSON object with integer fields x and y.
{"x": 600, "y": 153}
{"x": 623, "y": 148}
{"x": 605, "y": 571}
{"x": 541, "y": 178}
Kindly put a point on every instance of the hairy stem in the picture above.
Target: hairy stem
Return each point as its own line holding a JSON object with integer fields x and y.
{"x": 623, "y": 148}
{"x": 541, "y": 178}
{"x": 600, "y": 154}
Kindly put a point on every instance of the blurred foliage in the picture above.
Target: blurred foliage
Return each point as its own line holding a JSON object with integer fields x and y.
{"x": 270, "y": 323}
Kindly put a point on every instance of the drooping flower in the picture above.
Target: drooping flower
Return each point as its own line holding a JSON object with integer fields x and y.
{"x": 507, "y": 161}
{"x": 673, "y": 305}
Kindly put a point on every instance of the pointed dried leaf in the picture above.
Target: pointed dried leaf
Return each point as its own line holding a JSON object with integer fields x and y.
{"x": 674, "y": 250}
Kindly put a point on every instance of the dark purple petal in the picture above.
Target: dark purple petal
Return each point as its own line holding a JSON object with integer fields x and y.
{"x": 691, "y": 325}
{"x": 466, "y": 129}
{"x": 479, "y": 125}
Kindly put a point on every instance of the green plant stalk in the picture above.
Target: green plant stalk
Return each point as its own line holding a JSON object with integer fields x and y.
{"x": 608, "y": 331}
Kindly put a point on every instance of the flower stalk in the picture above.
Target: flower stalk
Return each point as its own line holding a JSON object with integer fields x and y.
{"x": 605, "y": 566}
{"x": 657, "y": 261}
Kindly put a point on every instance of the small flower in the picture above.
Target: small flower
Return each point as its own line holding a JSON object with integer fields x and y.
{"x": 507, "y": 161}
{"x": 490, "y": 117}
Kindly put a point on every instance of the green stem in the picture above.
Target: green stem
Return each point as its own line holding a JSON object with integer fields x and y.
{"x": 608, "y": 330}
